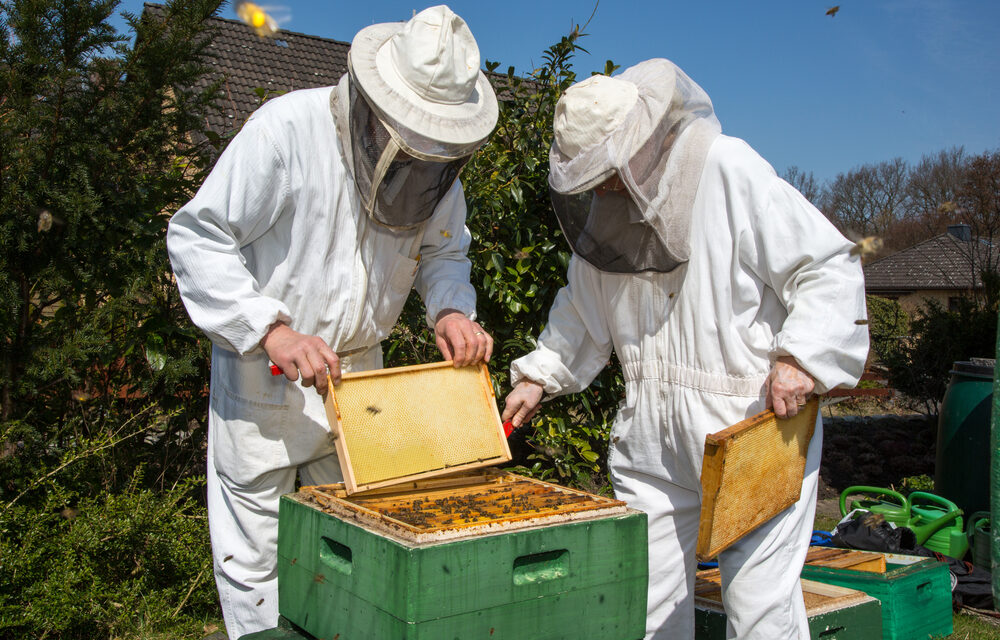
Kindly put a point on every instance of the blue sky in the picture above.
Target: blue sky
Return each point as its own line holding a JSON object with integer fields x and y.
{"x": 881, "y": 79}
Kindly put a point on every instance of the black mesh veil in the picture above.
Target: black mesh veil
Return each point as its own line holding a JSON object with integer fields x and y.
{"x": 608, "y": 231}
{"x": 397, "y": 189}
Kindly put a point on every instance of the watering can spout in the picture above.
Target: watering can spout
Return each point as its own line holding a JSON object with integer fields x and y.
{"x": 937, "y": 524}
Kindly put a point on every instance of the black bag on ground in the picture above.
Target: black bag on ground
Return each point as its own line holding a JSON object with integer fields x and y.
{"x": 871, "y": 532}
{"x": 975, "y": 585}
{"x": 971, "y": 585}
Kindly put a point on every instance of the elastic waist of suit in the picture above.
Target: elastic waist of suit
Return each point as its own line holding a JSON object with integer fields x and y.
{"x": 719, "y": 383}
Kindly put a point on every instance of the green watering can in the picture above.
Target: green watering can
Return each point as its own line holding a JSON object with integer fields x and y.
{"x": 895, "y": 509}
{"x": 979, "y": 539}
{"x": 937, "y": 523}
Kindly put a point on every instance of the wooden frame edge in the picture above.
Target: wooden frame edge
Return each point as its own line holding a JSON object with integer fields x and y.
{"x": 356, "y": 488}
{"x": 385, "y": 371}
{"x": 711, "y": 484}
{"x": 351, "y": 485}
{"x": 491, "y": 400}
{"x": 333, "y": 418}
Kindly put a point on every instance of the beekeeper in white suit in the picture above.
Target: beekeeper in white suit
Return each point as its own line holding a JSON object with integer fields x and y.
{"x": 723, "y": 291}
{"x": 301, "y": 248}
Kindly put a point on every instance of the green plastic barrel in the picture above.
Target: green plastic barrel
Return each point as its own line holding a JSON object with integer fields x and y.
{"x": 995, "y": 480}
{"x": 962, "y": 471}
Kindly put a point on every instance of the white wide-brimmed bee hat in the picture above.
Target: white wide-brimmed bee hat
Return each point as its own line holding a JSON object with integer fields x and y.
{"x": 424, "y": 74}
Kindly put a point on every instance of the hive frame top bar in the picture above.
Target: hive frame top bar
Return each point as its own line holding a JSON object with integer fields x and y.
{"x": 531, "y": 503}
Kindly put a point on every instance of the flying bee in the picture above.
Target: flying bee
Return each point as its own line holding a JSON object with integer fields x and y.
{"x": 44, "y": 221}
{"x": 867, "y": 246}
{"x": 254, "y": 16}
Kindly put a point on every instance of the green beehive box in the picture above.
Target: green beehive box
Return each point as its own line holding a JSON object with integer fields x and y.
{"x": 552, "y": 563}
{"x": 915, "y": 593}
{"x": 835, "y": 613}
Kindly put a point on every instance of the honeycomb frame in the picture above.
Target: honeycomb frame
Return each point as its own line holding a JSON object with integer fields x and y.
{"x": 406, "y": 423}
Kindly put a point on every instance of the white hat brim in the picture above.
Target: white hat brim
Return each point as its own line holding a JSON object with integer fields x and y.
{"x": 459, "y": 124}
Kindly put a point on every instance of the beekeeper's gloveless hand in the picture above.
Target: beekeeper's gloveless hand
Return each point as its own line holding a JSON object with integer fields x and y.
{"x": 461, "y": 340}
{"x": 788, "y": 387}
{"x": 523, "y": 402}
{"x": 300, "y": 354}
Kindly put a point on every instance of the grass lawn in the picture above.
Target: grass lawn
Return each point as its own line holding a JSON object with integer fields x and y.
{"x": 967, "y": 625}
{"x": 970, "y": 626}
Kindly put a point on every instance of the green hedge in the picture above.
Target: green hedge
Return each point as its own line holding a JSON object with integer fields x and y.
{"x": 919, "y": 350}
{"x": 129, "y": 564}
{"x": 519, "y": 261}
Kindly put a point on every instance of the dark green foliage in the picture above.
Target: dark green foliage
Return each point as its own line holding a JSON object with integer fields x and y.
{"x": 888, "y": 325}
{"x": 519, "y": 260}
{"x": 102, "y": 377}
{"x": 111, "y": 565}
{"x": 95, "y": 151}
{"x": 919, "y": 362}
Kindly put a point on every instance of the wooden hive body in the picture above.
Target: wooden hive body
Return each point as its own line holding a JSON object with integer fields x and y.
{"x": 915, "y": 592}
{"x": 441, "y": 558}
{"x": 835, "y": 613}
{"x": 751, "y": 472}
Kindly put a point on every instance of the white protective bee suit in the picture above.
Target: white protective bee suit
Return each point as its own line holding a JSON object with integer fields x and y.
{"x": 279, "y": 232}
{"x": 735, "y": 268}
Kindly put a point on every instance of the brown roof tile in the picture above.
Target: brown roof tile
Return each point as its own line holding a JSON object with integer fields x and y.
{"x": 942, "y": 262}
{"x": 247, "y": 62}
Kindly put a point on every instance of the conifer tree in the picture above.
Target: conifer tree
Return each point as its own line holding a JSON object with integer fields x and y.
{"x": 101, "y": 138}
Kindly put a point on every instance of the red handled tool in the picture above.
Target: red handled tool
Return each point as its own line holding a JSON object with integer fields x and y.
{"x": 508, "y": 428}
{"x": 276, "y": 370}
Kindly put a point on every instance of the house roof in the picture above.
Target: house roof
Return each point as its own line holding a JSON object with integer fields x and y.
{"x": 250, "y": 65}
{"x": 944, "y": 262}
{"x": 247, "y": 62}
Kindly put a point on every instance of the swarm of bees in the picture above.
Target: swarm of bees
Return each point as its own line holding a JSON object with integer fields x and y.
{"x": 491, "y": 505}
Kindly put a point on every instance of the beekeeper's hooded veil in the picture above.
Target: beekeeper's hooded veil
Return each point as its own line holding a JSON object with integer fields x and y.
{"x": 651, "y": 126}
{"x": 411, "y": 110}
